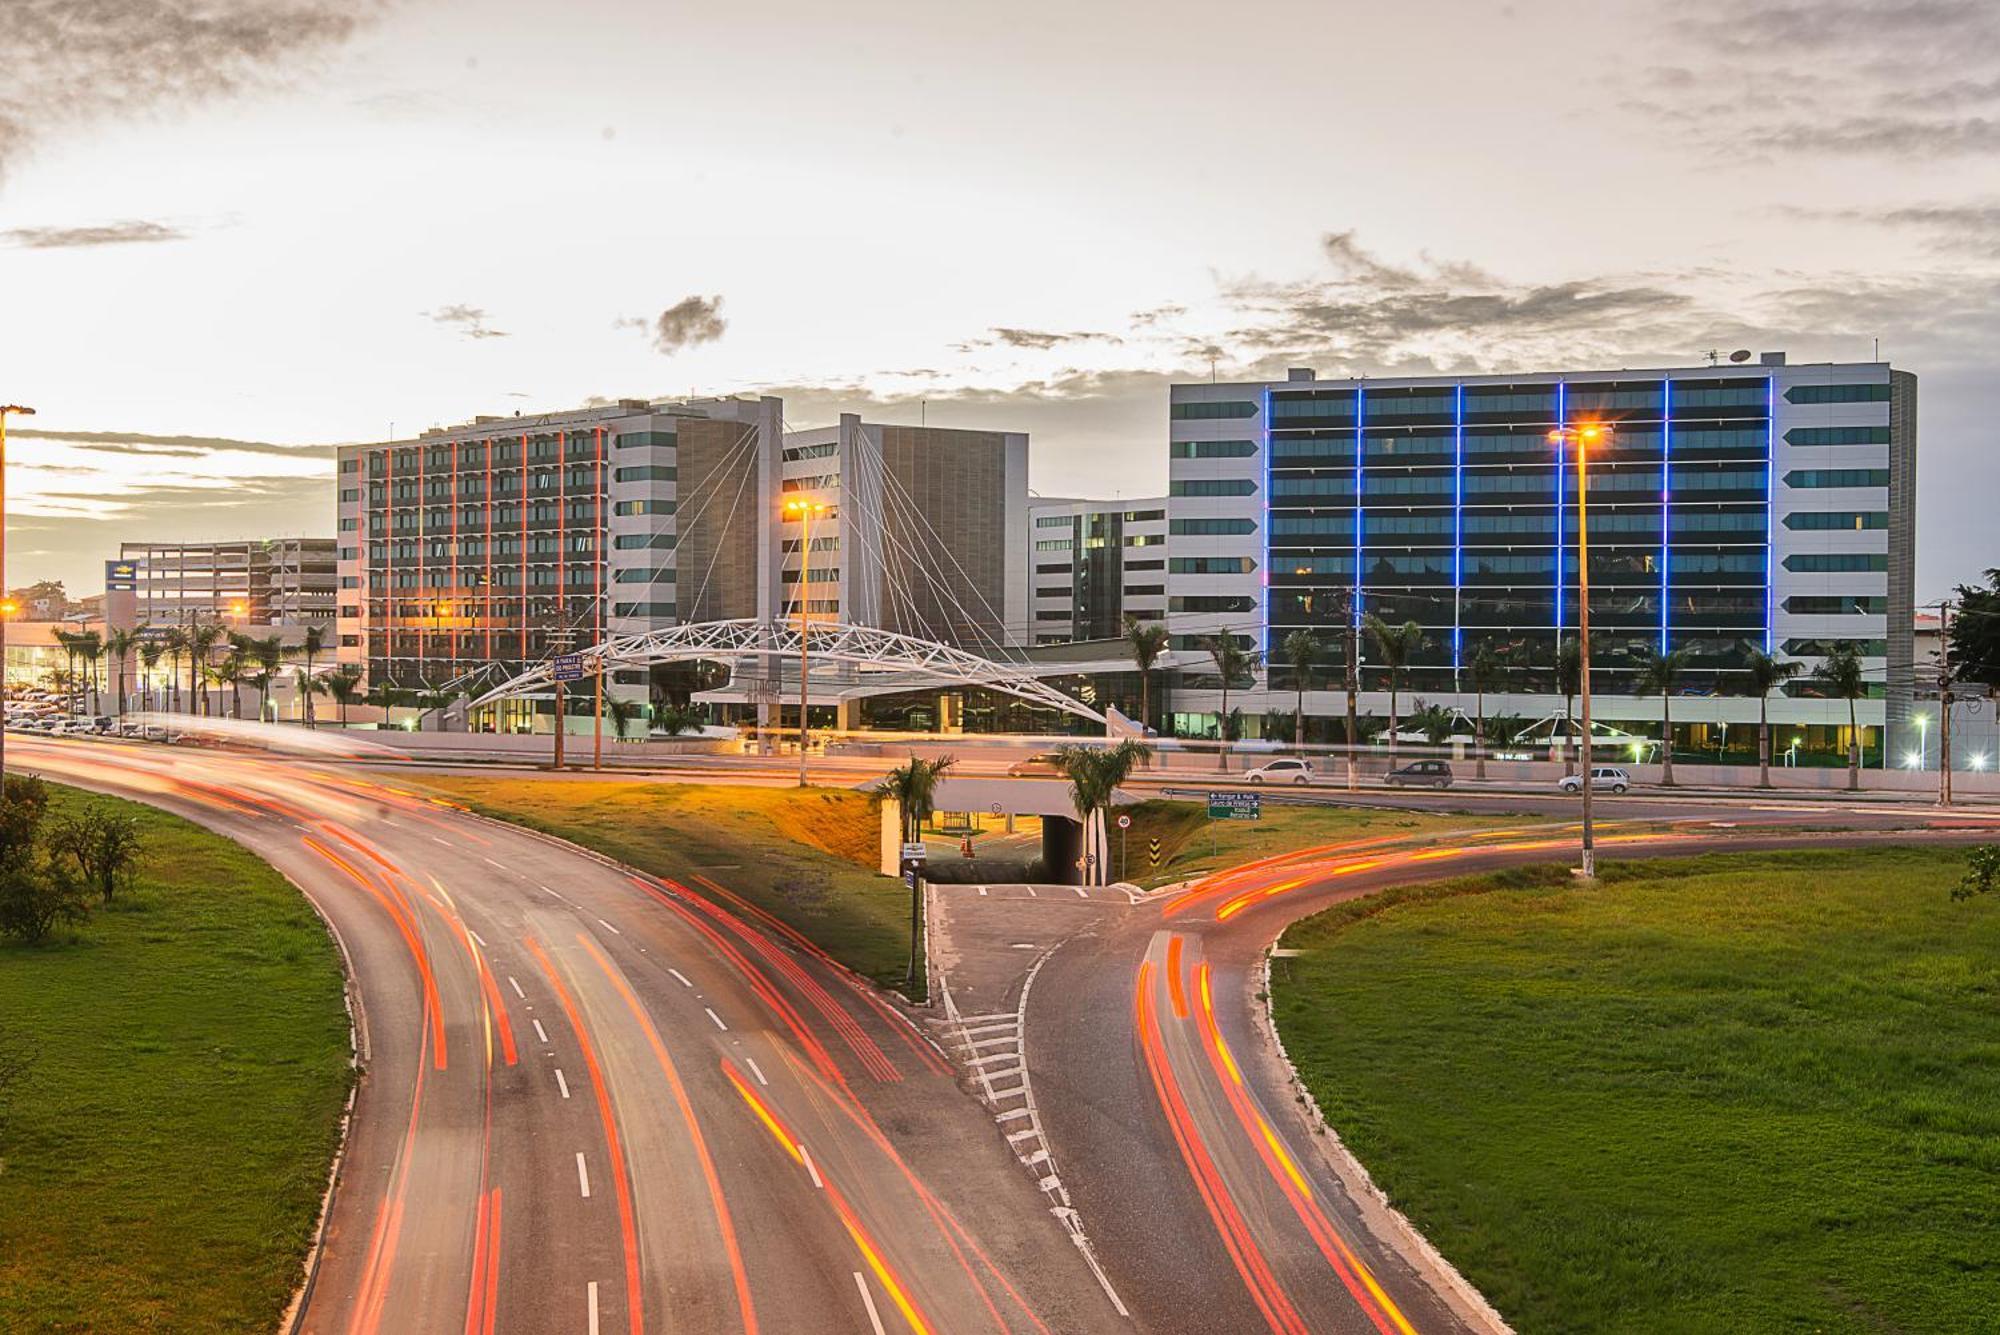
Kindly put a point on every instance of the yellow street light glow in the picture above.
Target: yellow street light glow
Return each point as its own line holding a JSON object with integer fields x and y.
{"x": 9, "y": 607}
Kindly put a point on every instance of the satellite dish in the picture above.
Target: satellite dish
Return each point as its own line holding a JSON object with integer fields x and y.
{"x": 1740, "y": 355}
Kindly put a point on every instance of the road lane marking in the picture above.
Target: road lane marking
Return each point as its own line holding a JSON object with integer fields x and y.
{"x": 582, "y": 1175}
{"x": 867, "y": 1299}
{"x": 476, "y": 937}
{"x": 1031, "y": 892}
{"x": 591, "y": 1290}
{"x": 517, "y": 987}
{"x": 811, "y": 1170}
{"x": 683, "y": 977}
{"x": 982, "y": 895}
{"x": 561, "y": 1083}
{"x": 540, "y": 1032}
{"x": 491, "y": 863}
{"x": 609, "y": 928}
{"x": 756, "y": 1070}
{"x": 717, "y": 1018}
{"x": 1081, "y": 893}
{"x": 436, "y": 839}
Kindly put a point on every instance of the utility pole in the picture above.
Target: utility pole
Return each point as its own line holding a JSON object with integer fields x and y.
{"x": 1944, "y": 704}
{"x": 597, "y": 745}
{"x": 5, "y": 411}
{"x": 805, "y": 510}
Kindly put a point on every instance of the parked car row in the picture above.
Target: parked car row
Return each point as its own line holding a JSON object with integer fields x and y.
{"x": 1417, "y": 774}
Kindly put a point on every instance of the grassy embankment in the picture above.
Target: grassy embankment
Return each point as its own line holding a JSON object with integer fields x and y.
{"x": 162, "y": 1165}
{"x": 1746, "y": 1092}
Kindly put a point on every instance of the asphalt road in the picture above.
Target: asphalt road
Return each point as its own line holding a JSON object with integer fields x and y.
{"x": 593, "y": 1102}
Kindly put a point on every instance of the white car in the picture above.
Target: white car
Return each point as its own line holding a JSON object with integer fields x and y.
{"x": 1281, "y": 771}
{"x": 1601, "y": 776}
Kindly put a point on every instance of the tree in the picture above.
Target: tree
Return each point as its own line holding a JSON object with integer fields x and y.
{"x": 1840, "y": 674}
{"x": 1974, "y": 650}
{"x": 1485, "y": 673}
{"x": 673, "y": 720}
{"x": 1397, "y": 645}
{"x": 68, "y": 639}
{"x": 102, "y": 845}
{"x": 90, "y": 648}
{"x": 623, "y": 713}
{"x": 36, "y": 894}
{"x": 1569, "y": 680}
{"x": 269, "y": 654}
{"x": 119, "y": 645}
{"x": 1232, "y": 661}
{"x": 1147, "y": 640}
{"x": 1662, "y": 672}
{"x": 1094, "y": 774}
{"x": 913, "y": 787}
{"x": 315, "y": 645}
{"x": 1300, "y": 651}
{"x": 344, "y": 685}
{"x": 1766, "y": 672}
{"x": 1434, "y": 721}
{"x": 175, "y": 644}
{"x": 150, "y": 652}
{"x": 202, "y": 637}
{"x": 1982, "y": 873}
{"x": 229, "y": 673}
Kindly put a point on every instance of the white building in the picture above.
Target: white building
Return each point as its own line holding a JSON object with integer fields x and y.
{"x": 1093, "y": 563}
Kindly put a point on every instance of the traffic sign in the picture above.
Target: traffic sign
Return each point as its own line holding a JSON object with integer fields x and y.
{"x": 1236, "y": 806}
{"x": 1124, "y": 822}
{"x": 1153, "y": 850}
{"x": 915, "y": 852}
{"x": 567, "y": 667}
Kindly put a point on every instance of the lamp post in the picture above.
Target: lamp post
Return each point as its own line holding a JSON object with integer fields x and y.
{"x": 805, "y": 510}
{"x": 6, "y": 409}
{"x": 1583, "y": 436}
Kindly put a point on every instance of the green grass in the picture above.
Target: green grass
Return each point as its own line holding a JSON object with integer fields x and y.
{"x": 1191, "y": 845}
{"x": 806, "y": 856}
{"x": 1748, "y": 1092}
{"x": 162, "y": 1167}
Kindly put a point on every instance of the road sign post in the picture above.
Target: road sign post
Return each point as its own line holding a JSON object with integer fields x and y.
{"x": 563, "y": 668}
{"x": 1124, "y": 835}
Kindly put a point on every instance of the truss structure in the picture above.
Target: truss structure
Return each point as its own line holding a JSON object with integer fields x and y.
{"x": 846, "y": 660}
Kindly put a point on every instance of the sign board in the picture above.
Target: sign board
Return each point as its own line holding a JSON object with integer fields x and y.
{"x": 910, "y": 878}
{"x": 1124, "y": 822}
{"x": 1153, "y": 851}
{"x": 1236, "y": 806}
{"x": 914, "y": 852}
{"x": 567, "y": 667}
{"x": 121, "y": 576}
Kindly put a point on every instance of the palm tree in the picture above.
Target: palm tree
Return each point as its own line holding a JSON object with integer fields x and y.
{"x": 1094, "y": 774}
{"x": 1569, "y": 680}
{"x": 1840, "y": 674}
{"x": 175, "y": 644}
{"x": 1147, "y": 640}
{"x": 1300, "y": 651}
{"x": 1397, "y": 645}
{"x": 1766, "y": 672}
{"x": 229, "y": 673}
{"x": 269, "y": 655}
{"x": 623, "y": 713}
{"x": 71, "y": 643}
{"x": 1662, "y": 673}
{"x": 913, "y": 787}
{"x": 1484, "y": 669}
{"x": 119, "y": 644}
{"x": 90, "y": 648}
{"x": 150, "y": 651}
{"x": 1232, "y": 660}
{"x": 315, "y": 645}
{"x": 344, "y": 685}
{"x": 202, "y": 637}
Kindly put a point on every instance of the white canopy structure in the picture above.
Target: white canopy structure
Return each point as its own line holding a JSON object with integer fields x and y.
{"x": 845, "y": 660}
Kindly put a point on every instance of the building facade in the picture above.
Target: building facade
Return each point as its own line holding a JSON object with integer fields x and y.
{"x": 262, "y": 582}
{"x": 1734, "y": 507}
{"x": 1094, "y": 562}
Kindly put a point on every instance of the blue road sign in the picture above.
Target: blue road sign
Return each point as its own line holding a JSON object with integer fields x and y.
{"x": 568, "y": 667}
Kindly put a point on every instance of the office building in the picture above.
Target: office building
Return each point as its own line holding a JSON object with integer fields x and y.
{"x": 259, "y": 582}
{"x": 1093, "y": 564}
{"x": 1736, "y": 506}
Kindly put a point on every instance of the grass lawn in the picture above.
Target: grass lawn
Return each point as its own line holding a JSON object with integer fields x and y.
{"x": 1191, "y": 845}
{"x": 807, "y": 857}
{"x": 161, "y": 1168}
{"x": 1748, "y": 1092}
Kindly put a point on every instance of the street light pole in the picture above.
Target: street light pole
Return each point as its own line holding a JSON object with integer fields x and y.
{"x": 805, "y": 510}
{"x": 1583, "y": 437}
{"x": 5, "y": 411}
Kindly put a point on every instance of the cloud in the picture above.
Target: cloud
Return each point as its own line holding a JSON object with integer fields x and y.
{"x": 75, "y": 62}
{"x": 1971, "y": 228}
{"x": 128, "y": 232}
{"x": 688, "y": 323}
{"x": 1033, "y": 340}
{"x": 139, "y": 442}
{"x": 468, "y": 320}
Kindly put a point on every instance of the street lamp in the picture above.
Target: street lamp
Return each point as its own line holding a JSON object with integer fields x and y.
{"x": 804, "y": 510}
{"x": 6, "y": 409}
{"x": 1583, "y": 437}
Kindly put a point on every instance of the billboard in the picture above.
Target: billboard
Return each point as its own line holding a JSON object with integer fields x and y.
{"x": 121, "y": 576}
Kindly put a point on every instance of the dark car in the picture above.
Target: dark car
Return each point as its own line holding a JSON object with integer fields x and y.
{"x": 1420, "y": 774}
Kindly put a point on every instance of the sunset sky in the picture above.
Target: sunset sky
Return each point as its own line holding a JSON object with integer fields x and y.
{"x": 236, "y": 232}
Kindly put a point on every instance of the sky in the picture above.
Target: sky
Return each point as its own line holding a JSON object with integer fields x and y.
{"x": 234, "y": 233}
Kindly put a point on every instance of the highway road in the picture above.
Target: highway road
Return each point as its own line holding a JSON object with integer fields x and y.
{"x": 594, "y": 1102}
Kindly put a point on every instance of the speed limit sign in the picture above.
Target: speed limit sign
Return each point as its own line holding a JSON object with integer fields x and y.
{"x": 1124, "y": 822}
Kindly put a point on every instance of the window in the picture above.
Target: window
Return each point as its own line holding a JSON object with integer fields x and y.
{"x": 1333, "y": 525}
{"x": 1052, "y": 616}
{"x": 824, "y": 450}
{"x": 824, "y": 482}
{"x": 1837, "y": 435}
{"x": 350, "y": 581}
{"x": 1534, "y": 402}
{"x": 1145, "y": 540}
{"x": 1838, "y": 393}
{"x": 349, "y": 524}
{"x": 1054, "y": 521}
{"x": 1837, "y": 606}
{"x": 1145, "y": 565}
{"x": 642, "y": 609}
{"x": 1697, "y": 479}
{"x": 1309, "y": 451}
{"x": 348, "y": 494}
{"x": 1145, "y": 590}
{"x": 1751, "y": 394}
{"x": 350, "y": 465}
{"x": 1054, "y": 545}
{"x": 1211, "y": 565}
{"x": 628, "y": 439}
{"x": 1404, "y": 447}
{"x": 1837, "y": 477}
{"x": 1837, "y": 562}
{"x": 1210, "y": 412}
{"x": 1213, "y": 449}
{"x": 1378, "y": 525}
{"x": 1213, "y": 486}
{"x": 1406, "y": 484}
{"x": 1833, "y": 519}
{"x": 1821, "y": 648}
{"x": 1144, "y": 516}
{"x": 1212, "y": 604}
{"x": 1313, "y": 565}
{"x": 1053, "y": 568}
{"x": 1709, "y": 563}
{"x": 1210, "y": 528}
{"x": 1703, "y": 521}
{"x": 626, "y": 542}
{"x": 646, "y": 473}
{"x": 1319, "y": 486}
{"x": 642, "y": 575}
{"x": 1389, "y": 405}
{"x": 1052, "y": 591}
{"x": 633, "y": 508}
{"x": 350, "y": 553}
{"x": 817, "y": 575}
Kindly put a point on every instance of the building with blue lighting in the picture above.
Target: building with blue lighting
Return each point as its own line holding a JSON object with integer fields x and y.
{"x": 1734, "y": 507}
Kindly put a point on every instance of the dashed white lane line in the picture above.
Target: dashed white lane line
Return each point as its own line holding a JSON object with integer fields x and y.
{"x": 982, "y": 892}
{"x": 517, "y": 987}
{"x": 540, "y": 1032}
{"x": 609, "y": 928}
{"x": 1031, "y": 892}
{"x": 867, "y": 1301}
{"x": 683, "y": 977}
{"x": 717, "y": 1018}
{"x": 491, "y": 863}
{"x": 590, "y": 1300}
{"x": 755, "y": 1070}
{"x": 476, "y": 937}
{"x": 582, "y": 1175}
{"x": 1080, "y": 892}
{"x": 812, "y": 1169}
{"x": 561, "y": 1083}
{"x": 545, "y": 890}
{"x": 436, "y": 839}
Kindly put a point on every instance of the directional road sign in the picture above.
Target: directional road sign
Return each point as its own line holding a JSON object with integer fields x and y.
{"x": 1236, "y": 806}
{"x": 567, "y": 667}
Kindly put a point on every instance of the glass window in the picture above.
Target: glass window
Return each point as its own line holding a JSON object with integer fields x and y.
{"x": 1213, "y": 449}
{"x": 1837, "y": 477}
{"x": 1837, "y": 519}
{"x": 1837, "y": 435}
{"x": 1878, "y": 393}
{"x": 1207, "y": 528}
{"x": 1837, "y": 605}
{"x": 1837, "y": 562}
{"x": 1212, "y": 565}
{"x": 1208, "y": 411}
{"x": 1212, "y": 486}
{"x": 646, "y": 473}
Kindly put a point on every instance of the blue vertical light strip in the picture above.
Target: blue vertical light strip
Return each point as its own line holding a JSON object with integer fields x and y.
{"x": 1458, "y": 532}
{"x": 1269, "y": 500}
{"x": 1666, "y": 493}
{"x": 1770, "y": 506}
{"x": 1360, "y": 420}
{"x": 1562, "y": 504}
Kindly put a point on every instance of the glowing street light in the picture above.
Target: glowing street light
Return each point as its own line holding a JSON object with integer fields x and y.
{"x": 1584, "y": 436}
{"x": 804, "y": 510}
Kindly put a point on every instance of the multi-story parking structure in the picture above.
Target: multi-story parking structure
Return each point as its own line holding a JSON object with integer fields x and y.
{"x": 258, "y": 581}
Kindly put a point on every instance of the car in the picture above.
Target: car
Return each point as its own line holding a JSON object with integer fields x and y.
{"x": 1281, "y": 771}
{"x": 1601, "y": 776}
{"x": 1047, "y": 765}
{"x": 1420, "y": 774}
